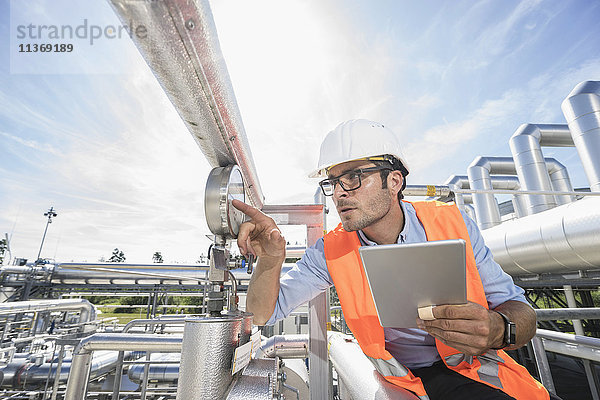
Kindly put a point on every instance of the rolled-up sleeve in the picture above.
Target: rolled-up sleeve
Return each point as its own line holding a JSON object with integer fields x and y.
{"x": 497, "y": 284}
{"x": 303, "y": 282}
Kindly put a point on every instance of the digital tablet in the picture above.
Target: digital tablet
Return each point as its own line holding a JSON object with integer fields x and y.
{"x": 404, "y": 277}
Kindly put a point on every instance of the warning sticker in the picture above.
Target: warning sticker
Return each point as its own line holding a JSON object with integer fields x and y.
{"x": 255, "y": 340}
{"x": 241, "y": 357}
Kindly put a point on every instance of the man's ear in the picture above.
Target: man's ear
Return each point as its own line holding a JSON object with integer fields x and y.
{"x": 395, "y": 181}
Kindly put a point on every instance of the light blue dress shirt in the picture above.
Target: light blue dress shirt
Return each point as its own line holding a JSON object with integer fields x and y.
{"x": 412, "y": 347}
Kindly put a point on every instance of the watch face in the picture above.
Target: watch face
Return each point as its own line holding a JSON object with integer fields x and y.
{"x": 510, "y": 335}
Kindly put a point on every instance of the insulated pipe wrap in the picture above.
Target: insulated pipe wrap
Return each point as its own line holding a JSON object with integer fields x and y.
{"x": 581, "y": 109}
{"x": 563, "y": 239}
{"x": 206, "y": 356}
{"x": 182, "y": 49}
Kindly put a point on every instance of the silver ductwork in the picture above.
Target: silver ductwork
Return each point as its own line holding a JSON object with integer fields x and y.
{"x": 182, "y": 49}
{"x": 480, "y": 172}
{"x": 82, "y": 355}
{"x": 564, "y": 239}
{"x": 284, "y": 346}
{"x": 168, "y": 373}
{"x": 581, "y": 109}
{"x": 505, "y": 182}
{"x": 525, "y": 145}
{"x": 357, "y": 377}
{"x": 22, "y": 373}
{"x": 87, "y": 311}
{"x": 114, "y": 273}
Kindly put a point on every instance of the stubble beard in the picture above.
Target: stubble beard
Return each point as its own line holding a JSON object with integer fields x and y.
{"x": 375, "y": 209}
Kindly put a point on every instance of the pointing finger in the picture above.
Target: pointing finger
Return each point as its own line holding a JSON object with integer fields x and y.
{"x": 247, "y": 209}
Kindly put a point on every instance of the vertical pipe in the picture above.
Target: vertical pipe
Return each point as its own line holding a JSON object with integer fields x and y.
{"x": 525, "y": 145}
{"x": 61, "y": 355}
{"x": 542, "y": 365}
{"x": 581, "y": 109}
{"x": 206, "y": 356}
{"x": 587, "y": 365}
{"x": 318, "y": 310}
{"x": 485, "y": 203}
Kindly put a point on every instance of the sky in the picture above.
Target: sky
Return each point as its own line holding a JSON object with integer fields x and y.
{"x": 91, "y": 133}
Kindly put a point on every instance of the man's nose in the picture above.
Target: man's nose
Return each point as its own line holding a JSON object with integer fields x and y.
{"x": 339, "y": 192}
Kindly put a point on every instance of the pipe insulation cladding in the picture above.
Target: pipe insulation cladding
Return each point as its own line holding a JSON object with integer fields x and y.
{"x": 563, "y": 239}
{"x": 581, "y": 109}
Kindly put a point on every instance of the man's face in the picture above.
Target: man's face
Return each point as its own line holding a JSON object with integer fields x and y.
{"x": 364, "y": 206}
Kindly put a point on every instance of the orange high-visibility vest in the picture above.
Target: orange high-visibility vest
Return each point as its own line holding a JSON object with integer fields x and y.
{"x": 441, "y": 221}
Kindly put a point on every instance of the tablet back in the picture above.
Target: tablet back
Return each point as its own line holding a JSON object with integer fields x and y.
{"x": 404, "y": 277}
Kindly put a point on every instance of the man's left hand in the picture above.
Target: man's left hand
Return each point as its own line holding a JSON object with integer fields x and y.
{"x": 469, "y": 328}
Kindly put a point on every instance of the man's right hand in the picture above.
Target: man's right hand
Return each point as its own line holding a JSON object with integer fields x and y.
{"x": 260, "y": 236}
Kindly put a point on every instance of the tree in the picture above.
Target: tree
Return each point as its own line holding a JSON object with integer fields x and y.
{"x": 157, "y": 257}
{"x": 3, "y": 248}
{"x": 117, "y": 256}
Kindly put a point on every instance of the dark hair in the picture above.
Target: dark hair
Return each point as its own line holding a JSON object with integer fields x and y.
{"x": 396, "y": 166}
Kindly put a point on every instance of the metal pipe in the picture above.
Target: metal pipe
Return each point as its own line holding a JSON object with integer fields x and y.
{"x": 284, "y": 346}
{"x": 357, "y": 374}
{"x": 87, "y": 311}
{"x": 525, "y": 145}
{"x": 427, "y": 190}
{"x": 555, "y": 314}
{"x": 502, "y": 182}
{"x": 578, "y": 327}
{"x": 207, "y": 355}
{"x": 581, "y": 109}
{"x": 82, "y": 354}
{"x": 183, "y": 51}
{"x": 542, "y": 365}
{"x": 78, "y": 273}
{"x": 130, "y": 325}
{"x": 559, "y": 240}
{"x": 559, "y": 178}
{"x": 480, "y": 172}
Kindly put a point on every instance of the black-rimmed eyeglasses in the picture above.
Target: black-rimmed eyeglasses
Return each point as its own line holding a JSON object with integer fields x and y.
{"x": 349, "y": 181}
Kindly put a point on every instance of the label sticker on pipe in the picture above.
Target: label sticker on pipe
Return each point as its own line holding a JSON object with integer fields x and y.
{"x": 241, "y": 357}
{"x": 255, "y": 340}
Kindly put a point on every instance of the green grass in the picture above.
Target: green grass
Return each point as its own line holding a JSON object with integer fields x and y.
{"x": 124, "y": 317}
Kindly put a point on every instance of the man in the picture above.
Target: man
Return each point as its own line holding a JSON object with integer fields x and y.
{"x": 366, "y": 173}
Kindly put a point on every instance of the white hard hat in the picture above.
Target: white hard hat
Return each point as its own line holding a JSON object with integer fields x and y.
{"x": 355, "y": 140}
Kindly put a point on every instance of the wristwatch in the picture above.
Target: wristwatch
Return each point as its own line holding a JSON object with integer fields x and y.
{"x": 510, "y": 332}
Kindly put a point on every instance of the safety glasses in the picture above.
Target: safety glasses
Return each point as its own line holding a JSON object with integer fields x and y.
{"x": 349, "y": 181}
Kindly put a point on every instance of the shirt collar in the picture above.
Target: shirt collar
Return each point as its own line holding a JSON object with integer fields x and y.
{"x": 401, "y": 237}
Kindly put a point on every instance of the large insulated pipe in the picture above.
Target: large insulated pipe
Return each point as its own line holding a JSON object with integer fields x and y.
{"x": 84, "y": 273}
{"x": 559, "y": 177}
{"x": 480, "y": 172}
{"x": 357, "y": 376}
{"x": 182, "y": 49}
{"x": 87, "y": 311}
{"x": 506, "y": 182}
{"x": 526, "y": 147}
{"x": 207, "y": 355}
{"x": 560, "y": 240}
{"x": 82, "y": 354}
{"x": 581, "y": 109}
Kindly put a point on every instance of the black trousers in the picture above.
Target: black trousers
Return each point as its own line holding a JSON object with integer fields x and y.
{"x": 442, "y": 383}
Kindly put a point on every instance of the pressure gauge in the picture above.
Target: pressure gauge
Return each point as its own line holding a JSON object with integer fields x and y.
{"x": 224, "y": 184}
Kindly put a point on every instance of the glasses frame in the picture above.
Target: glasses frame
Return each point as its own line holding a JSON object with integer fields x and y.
{"x": 359, "y": 171}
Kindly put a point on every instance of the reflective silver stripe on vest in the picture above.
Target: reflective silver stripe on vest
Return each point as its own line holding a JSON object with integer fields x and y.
{"x": 487, "y": 372}
{"x": 389, "y": 367}
{"x": 455, "y": 359}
